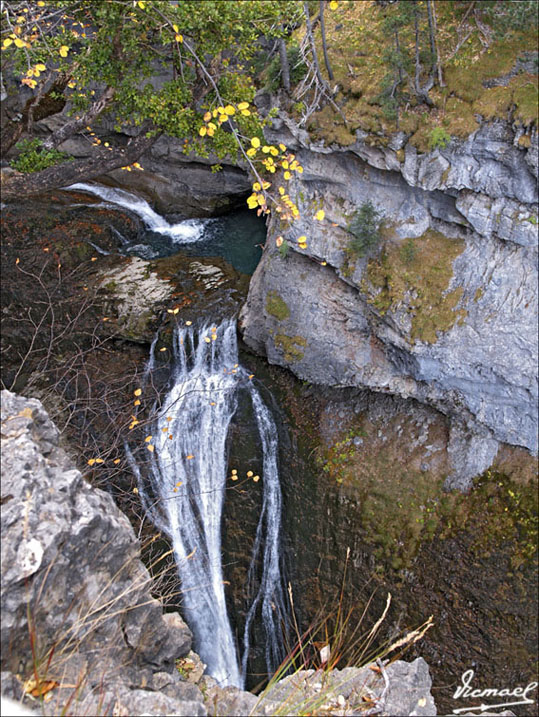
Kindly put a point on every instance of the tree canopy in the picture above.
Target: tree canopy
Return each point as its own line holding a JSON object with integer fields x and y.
{"x": 151, "y": 67}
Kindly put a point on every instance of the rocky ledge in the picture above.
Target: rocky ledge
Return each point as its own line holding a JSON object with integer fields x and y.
{"x": 81, "y": 633}
{"x": 443, "y": 310}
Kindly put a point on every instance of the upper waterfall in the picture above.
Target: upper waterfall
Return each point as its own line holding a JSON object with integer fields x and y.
{"x": 184, "y": 232}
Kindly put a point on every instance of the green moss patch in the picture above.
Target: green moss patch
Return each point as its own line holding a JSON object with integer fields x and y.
{"x": 276, "y": 306}
{"x": 420, "y": 281}
{"x": 291, "y": 346}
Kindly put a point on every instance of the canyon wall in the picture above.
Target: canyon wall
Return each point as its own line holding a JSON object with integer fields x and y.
{"x": 443, "y": 310}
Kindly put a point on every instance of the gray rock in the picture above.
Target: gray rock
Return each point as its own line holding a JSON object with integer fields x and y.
{"x": 72, "y": 576}
{"x": 482, "y": 371}
{"x": 401, "y": 689}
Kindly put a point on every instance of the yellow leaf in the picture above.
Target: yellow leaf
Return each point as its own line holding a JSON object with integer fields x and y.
{"x": 287, "y": 175}
{"x": 255, "y": 142}
{"x": 300, "y": 170}
{"x": 116, "y": 461}
{"x": 234, "y": 477}
{"x": 148, "y": 439}
{"x": 207, "y": 339}
{"x": 234, "y": 471}
{"x": 256, "y": 479}
{"x": 251, "y": 152}
{"x": 284, "y": 164}
{"x": 320, "y": 214}
{"x": 136, "y": 402}
{"x": 176, "y": 311}
{"x": 302, "y": 238}
{"x": 163, "y": 349}
{"x": 188, "y": 323}
{"x": 41, "y": 67}
{"x": 249, "y": 474}
{"x": 141, "y": 4}
{"x": 19, "y": 42}
{"x": 279, "y": 241}
{"x": 99, "y": 460}
{"x": 207, "y": 117}
{"x": 333, "y": 5}
{"x": 222, "y": 118}
{"x": 135, "y": 490}
{"x": 251, "y": 376}
{"x": 30, "y": 83}
{"x": 202, "y": 131}
{"x": 245, "y": 113}
{"x": 190, "y": 456}
{"x": 266, "y": 185}
{"x": 281, "y": 191}
{"x": 257, "y": 187}
{"x": 178, "y": 38}
{"x": 243, "y": 105}
{"x": 150, "y": 447}
{"x": 323, "y": 263}
{"x": 229, "y": 110}
{"x": 179, "y": 483}
{"x": 137, "y": 391}
{"x": 64, "y": 50}
{"x": 91, "y": 461}
{"x": 7, "y": 42}
{"x": 282, "y": 147}
{"x": 169, "y": 418}
{"x": 41, "y": 3}
{"x": 274, "y": 151}
{"x": 265, "y": 149}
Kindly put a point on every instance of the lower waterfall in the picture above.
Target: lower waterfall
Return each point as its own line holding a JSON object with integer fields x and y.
{"x": 183, "y": 493}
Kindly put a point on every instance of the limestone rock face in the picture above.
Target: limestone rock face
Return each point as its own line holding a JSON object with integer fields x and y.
{"x": 75, "y": 596}
{"x": 443, "y": 310}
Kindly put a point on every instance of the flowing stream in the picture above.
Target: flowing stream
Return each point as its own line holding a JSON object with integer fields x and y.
{"x": 186, "y": 231}
{"x": 184, "y": 489}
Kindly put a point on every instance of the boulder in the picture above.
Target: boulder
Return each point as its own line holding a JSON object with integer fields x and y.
{"x": 78, "y": 619}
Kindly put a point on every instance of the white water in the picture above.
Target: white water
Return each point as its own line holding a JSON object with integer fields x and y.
{"x": 184, "y": 232}
{"x": 184, "y": 494}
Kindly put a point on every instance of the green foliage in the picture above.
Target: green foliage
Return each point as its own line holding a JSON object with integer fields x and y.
{"x": 33, "y": 158}
{"x": 284, "y": 249}
{"x": 408, "y": 251}
{"x": 439, "y": 137}
{"x": 298, "y": 69}
{"x": 365, "y": 227}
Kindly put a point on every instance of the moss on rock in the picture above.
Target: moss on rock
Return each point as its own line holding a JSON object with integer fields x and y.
{"x": 289, "y": 345}
{"x": 420, "y": 282}
{"x": 276, "y": 306}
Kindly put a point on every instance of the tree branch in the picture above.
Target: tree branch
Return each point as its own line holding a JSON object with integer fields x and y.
{"x": 18, "y": 186}
{"x": 70, "y": 128}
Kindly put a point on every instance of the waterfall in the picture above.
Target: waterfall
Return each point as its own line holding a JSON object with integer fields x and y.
{"x": 184, "y": 232}
{"x": 184, "y": 490}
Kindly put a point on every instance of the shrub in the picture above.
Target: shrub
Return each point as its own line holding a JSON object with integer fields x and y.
{"x": 439, "y": 137}
{"x": 365, "y": 227}
{"x": 33, "y": 158}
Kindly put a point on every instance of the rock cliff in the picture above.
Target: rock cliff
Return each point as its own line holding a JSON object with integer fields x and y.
{"x": 443, "y": 310}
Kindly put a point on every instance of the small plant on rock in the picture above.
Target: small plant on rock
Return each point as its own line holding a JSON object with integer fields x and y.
{"x": 365, "y": 228}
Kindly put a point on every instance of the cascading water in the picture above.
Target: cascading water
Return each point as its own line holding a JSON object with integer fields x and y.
{"x": 183, "y": 494}
{"x": 184, "y": 232}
